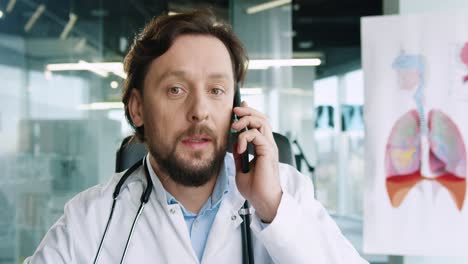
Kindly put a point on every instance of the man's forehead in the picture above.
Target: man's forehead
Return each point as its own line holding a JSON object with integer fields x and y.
{"x": 168, "y": 73}
{"x": 194, "y": 55}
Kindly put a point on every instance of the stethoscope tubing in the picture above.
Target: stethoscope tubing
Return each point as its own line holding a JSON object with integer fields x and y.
{"x": 144, "y": 199}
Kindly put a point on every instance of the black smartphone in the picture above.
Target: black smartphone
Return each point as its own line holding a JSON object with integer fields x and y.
{"x": 247, "y": 248}
{"x": 245, "y": 154}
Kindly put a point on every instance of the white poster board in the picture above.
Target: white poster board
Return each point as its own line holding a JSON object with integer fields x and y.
{"x": 416, "y": 115}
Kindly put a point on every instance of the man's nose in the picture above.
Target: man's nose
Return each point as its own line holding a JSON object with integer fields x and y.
{"x": 199, "y": 108}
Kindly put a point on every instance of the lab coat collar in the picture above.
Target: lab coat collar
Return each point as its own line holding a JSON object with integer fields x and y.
{"x": 158, "y": 188}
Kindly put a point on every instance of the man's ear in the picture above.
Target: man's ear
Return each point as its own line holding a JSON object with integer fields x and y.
{"x": 135, "y": 107}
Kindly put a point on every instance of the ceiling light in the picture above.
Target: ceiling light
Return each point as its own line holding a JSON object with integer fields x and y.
{"x": 114, "y": 84}
{"x": 10, "y": 6}
{"x": 259, "y": 64}
{"x": 100, "y": 68}
{"x": 65, "y": 67}
{"x": 1, "y": 13}
{"x": 80, "y": 66}
{"x": 296, "y": 91}
{"x": 114, "y": 67}
{"x": 101, "y": 106}
{"x": 35, "y": 16}
{"x": 80, "y": 45}
{"x": 266, "y": 6}
{"x": 251, "y": 91}
{"x": 69, "y": 26}
{"x": 104, "y": 68}
{"x": 93, "y": 68}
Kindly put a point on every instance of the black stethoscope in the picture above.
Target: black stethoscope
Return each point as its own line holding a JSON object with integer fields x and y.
{"x": 245, "y": 212}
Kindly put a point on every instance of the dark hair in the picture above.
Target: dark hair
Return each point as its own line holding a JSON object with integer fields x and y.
{"x": 158, "y": 36}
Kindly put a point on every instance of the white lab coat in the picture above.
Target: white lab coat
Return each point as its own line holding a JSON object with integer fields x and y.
{"x": 302, "y": 231}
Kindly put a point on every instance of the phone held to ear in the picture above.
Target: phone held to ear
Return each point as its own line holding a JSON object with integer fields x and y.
{"x": 245, "y": 154}
{"x": 247, "y": 247}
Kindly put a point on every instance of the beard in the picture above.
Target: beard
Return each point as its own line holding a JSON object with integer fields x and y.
{"x": 185, "y": 172}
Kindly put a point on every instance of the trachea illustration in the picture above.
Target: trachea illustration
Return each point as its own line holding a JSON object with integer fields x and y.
{"x": 420, "y": 148}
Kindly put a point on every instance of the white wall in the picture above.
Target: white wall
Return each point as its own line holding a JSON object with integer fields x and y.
{"x": 421, "y": 6}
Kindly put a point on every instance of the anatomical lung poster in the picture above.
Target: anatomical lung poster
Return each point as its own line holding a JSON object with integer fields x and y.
{"x": 416, "y": 121}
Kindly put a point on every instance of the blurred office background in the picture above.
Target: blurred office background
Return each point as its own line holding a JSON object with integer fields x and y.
{"x": 60, "y": 128}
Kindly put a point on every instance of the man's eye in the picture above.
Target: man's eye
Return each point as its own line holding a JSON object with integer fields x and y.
{"x": 216, "y": 91}
{"x": 175, "y": 90}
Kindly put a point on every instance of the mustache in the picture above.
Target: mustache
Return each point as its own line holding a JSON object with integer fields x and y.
{"x": 197, "y": 130}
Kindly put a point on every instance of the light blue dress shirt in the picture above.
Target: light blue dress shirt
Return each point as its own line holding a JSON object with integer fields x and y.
{"x": 199, "y": 225}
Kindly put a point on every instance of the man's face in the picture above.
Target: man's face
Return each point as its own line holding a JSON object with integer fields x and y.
{"x": 186, "y": 108}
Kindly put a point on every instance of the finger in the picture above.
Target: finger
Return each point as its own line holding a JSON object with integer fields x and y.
{"x": 244, "y": 110}
{"x": 261, "y": 143}
{"x": 249, "y": 122}
{"x": 254, "y": 122}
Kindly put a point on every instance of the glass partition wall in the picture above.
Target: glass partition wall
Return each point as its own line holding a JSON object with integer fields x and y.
{"x": 59, "y": 128}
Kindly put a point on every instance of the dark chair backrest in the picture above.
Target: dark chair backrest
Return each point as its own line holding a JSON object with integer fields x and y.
{"x": 131, "y": 151}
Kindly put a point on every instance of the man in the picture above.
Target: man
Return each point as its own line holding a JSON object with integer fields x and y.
{"x": 182, "y": 73}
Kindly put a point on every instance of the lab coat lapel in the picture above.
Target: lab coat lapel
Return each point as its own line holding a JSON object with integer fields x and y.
{"x": 174, "y": 215}
{"x": 226, "y": 228}
{"x": 178, "y": 224}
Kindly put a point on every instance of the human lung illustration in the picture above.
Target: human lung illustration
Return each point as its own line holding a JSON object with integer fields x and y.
{"x": 405, "y": 156}
{"x": 464, "y": 59}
